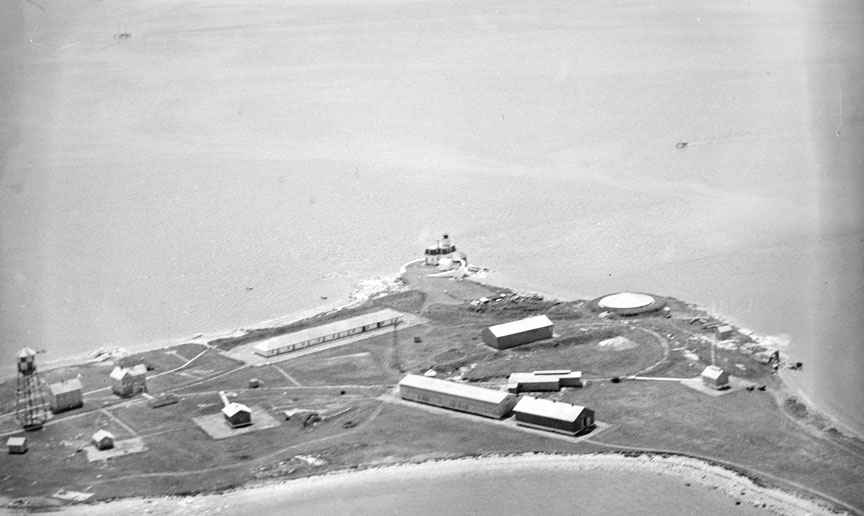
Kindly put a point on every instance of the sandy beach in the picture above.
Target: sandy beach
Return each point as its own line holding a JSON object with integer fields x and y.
{"x": 308, "y": 495}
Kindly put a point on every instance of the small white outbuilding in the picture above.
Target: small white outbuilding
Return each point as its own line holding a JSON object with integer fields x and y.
{"x": 715, "y": 378}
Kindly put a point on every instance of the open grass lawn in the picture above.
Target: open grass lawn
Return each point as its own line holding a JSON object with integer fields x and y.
{"x": 188, "y": 350}
{"x": 209, "y": 364}
{"x": 402, "y": 433}
{"x": 52, "y": 460}
{"x": 369, "y": 361}
{"x": 743, "y": 427}
{"x": 583, "y": 354}
{"x": 189, "y": 461}
{"x": 182, "y": 458}
{"x": 359, "y": 430}
{"x": 352, "y": 368}
{"x": 680, "y": 334}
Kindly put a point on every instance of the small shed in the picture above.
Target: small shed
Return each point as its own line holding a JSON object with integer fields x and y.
{"x": 103, "y": 440}
{"x": 129, "y": 381}
{"x": 237, "y": 415}
{"x": 16, "y": 445}
{"x": 532, "y": 382}
{"x": 65, "y": 395}
{"x": 166, "y": 398}
{"x": 715, "y": 377}
{"x": 571, "y": 379}
{"x": 724, "y": 331}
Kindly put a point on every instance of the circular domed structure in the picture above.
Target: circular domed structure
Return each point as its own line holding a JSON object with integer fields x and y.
{"x": 625, "y": 301}
{"x": 628, "y": 303}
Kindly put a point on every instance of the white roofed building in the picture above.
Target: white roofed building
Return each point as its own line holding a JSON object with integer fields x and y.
{"x": 129, "y": 381}
{"x": 65, "y": 395}
{"x": 456, "y": 396}
{"x": 715, "y": 377}
{"x": 327, "y": 332}
{"x": 237, "y": 415}
{"x": 532, "y": 382}
{"x": 519, "y": 332}
{"x": 103, "y": 440}
{"x": 554, "y": 416}
{"x": 552, "y": 380}
{"x": 16, "y": 445}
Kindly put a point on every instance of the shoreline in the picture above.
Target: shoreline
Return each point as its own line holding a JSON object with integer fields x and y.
{"x": 815, "y": 415}
{"x": 369, "y": 289}
{"x": 361, "y": 292}
{"x": 377, "y": 286}
{"x": 685, "y": 469}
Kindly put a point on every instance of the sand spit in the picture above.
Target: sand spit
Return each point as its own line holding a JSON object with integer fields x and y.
{"x": 687, "y": 470}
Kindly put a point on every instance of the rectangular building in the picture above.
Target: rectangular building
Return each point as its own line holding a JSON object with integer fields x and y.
{"x": 571, "y": 379}
{"x": 237, "y": 415}
{"x": 543, "y": 380}
{"x": 103, "y": 440}
{"x": 554, "y": 416}
{"x": 16, "y": 445}
{"x": 725, "y": 332}
{"x": 715, "y": 378}
{"x": 65, "y": 395}
{"x": 532, "y": 382}
{"x": 327, "y": 332}
{"x": 129, "y": 381}
{"x": 519, "y": 332}
{"x": 456, "y": 396}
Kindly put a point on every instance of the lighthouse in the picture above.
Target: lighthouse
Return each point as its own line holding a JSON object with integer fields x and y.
{"x": 444, "y": 249}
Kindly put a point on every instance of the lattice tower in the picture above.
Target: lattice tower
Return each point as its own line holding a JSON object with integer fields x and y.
{"x": 30, "y": 408}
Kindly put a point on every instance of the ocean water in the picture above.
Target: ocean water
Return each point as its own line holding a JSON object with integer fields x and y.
{"x": 514, "y": 492}
{"x": 234, "y": 163}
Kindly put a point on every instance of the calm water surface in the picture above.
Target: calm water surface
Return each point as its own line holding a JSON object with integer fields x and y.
{"x": 204, "y": 175}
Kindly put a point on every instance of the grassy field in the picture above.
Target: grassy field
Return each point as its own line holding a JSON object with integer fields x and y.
{"x": 746, "y": 428}
{"x": 753, "y": 431}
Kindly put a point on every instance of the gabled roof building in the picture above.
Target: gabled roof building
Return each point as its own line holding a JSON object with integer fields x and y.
{"x": 103, "y": 440}
{"x": 16, "y": 445}
{"x": 129, "y": 381}
{"x": 515, "y": 333}
{"x": 327, "y": 332}
{"x": 65, "y": 395}
{"x": 531, "y": 382}
{"x": 237, "y": 415}
{"x": 554, "y": 416}
{"x": 715, "y": 377}
{"x": 544, "y": 380}
{"x": 456, "y": 396}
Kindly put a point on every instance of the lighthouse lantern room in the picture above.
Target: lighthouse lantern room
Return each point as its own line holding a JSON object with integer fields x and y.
{"x": 444, "y": 249}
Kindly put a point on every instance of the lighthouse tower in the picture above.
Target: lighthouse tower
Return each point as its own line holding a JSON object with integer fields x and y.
{"x": 30, "y": 408}
{"x": 444, "y": 249}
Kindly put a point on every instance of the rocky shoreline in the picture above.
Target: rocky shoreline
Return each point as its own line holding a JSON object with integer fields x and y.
{"x": 689, "y": 471}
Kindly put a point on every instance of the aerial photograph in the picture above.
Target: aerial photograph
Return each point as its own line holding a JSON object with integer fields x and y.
{"x": 416, "y": 257}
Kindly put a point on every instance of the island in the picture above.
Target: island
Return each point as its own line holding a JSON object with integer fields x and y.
{"x": 653, "y": 379}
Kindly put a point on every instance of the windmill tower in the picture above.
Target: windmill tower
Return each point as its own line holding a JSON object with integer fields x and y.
{"x": 30, "y": 408}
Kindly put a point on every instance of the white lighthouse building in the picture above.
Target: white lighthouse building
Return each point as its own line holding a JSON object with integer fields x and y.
{"x": 443, "y": 250}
